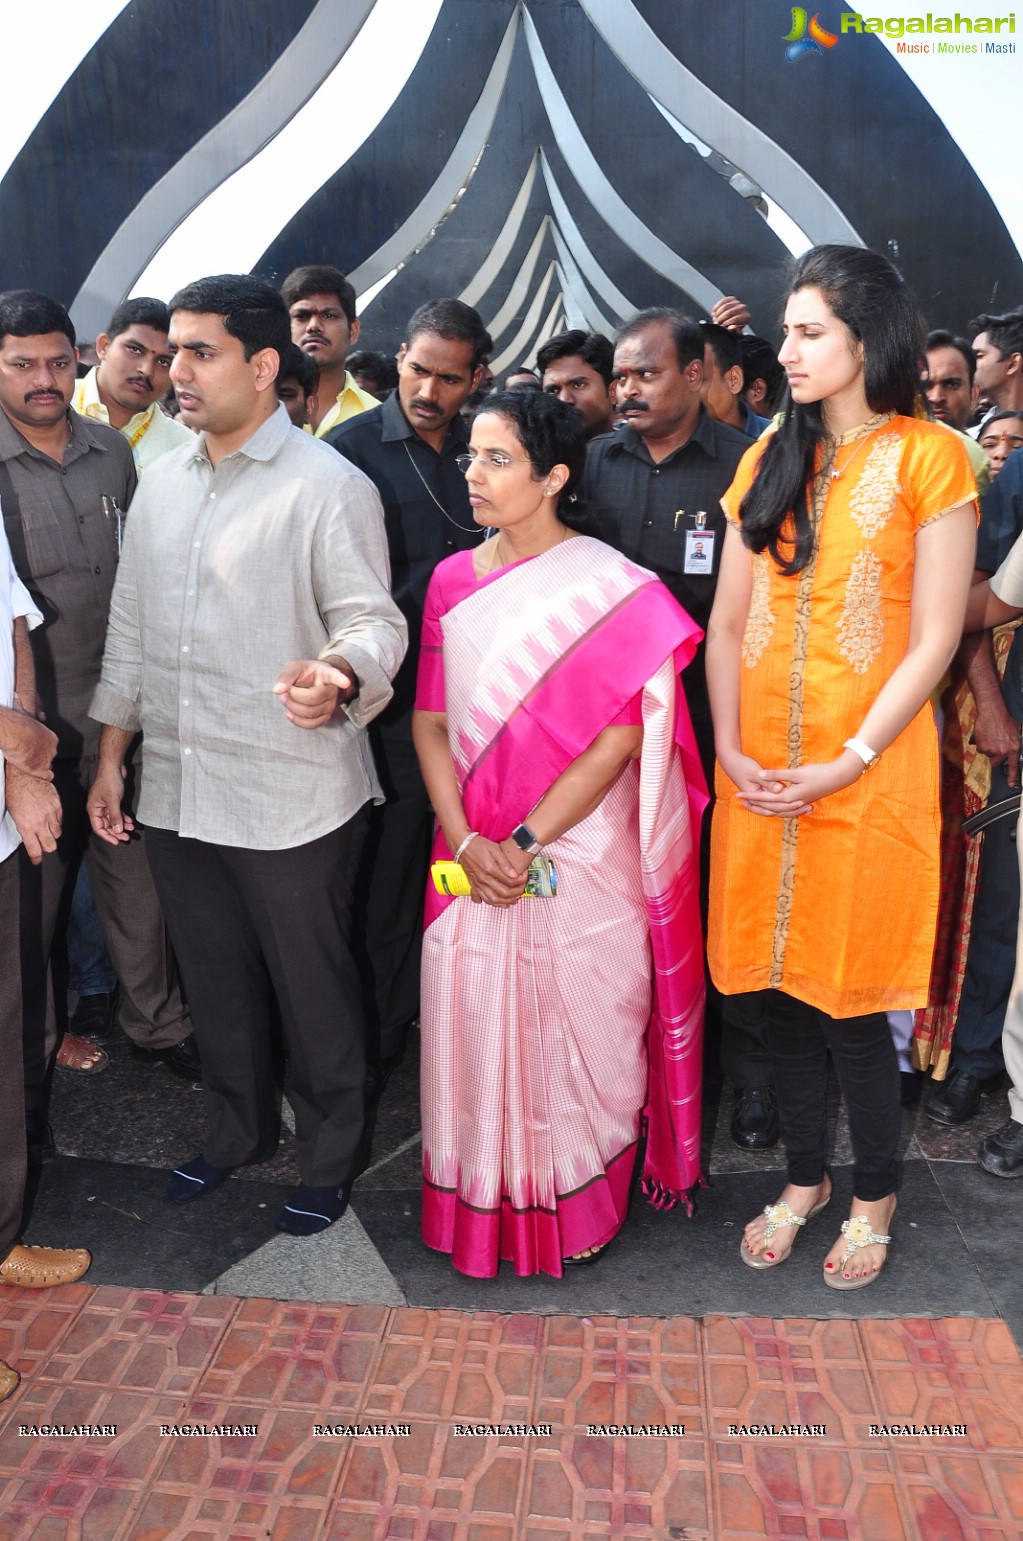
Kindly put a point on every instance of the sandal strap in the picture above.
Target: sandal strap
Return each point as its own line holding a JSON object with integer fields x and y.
{"x": 779, "y": 1215}
{"x": 859, "y": 1232}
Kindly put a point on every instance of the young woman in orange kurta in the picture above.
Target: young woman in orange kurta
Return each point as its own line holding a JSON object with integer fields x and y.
{"x": 840, "y": 602}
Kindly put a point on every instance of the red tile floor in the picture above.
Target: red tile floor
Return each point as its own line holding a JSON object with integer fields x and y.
{"x": 139, "y": 1359}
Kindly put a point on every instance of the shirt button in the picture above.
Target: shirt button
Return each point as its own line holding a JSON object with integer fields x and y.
{"x": 188, "y": 751}
{"x": 657, "y": 470}
{"x": 648, "y": 524}
{"x": 81, "y": 518}
{"x": 185, "y": 648}
{"x": 196, "y": 544}
{"x": 96, "y": 570}
{"x": 449, "y": 544}
{"x": 184, "y": 703}
{"x": 191, "y": 593}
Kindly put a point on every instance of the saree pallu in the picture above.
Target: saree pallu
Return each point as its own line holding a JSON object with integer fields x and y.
{"x": 550, "y": 1027}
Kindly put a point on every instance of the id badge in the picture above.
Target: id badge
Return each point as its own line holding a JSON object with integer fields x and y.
{"x": 699, "y": 557}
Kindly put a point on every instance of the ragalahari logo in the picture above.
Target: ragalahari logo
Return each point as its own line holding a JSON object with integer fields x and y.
{"x": 798, "y": 41}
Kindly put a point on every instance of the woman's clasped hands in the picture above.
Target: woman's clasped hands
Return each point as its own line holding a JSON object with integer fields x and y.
{"x": 788, "y": 793}
{"x": 497, "y": 872}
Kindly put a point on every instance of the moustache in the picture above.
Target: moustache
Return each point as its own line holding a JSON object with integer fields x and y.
{"x": 634, "y": 406}
{"x": 429, "y": 407}
{"x": 53, "y": 391}
{"x": 143, "y": 380}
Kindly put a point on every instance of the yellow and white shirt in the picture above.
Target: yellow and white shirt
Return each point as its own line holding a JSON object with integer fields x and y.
{"x": 150, "y": 433}
{"x": 350, "y": 402}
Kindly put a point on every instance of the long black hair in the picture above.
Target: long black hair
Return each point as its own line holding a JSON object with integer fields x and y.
{"x": 868, "y": 296}
{"x": 551, "y": 433}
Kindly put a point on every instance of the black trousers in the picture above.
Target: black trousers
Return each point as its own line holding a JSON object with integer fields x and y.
{"x": 799, "y": 1038}
{"x": 249, "y": 926}
{"x": 12, "y": 1104}
{"x": 152, "y": 1011}
{"x": 388, "y": 937}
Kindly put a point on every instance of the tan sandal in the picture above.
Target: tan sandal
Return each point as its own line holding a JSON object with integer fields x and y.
{"x": 858, "y": 1233}
{"x": 40, "y": 1268}
{"x": 81, "y": 1055}
{"x": 8, "y": 1380}
{"x": 778, "y": 1216}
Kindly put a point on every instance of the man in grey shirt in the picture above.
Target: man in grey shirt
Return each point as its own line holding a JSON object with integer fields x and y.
{"x": 256, "y": 546}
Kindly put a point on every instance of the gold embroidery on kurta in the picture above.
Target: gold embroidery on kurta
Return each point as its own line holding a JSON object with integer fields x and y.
{"x": 800, "y": 640}
{"x": 861, "y": 629}
{"x": 872, "y": 500}
{"x": 760, "y": 620}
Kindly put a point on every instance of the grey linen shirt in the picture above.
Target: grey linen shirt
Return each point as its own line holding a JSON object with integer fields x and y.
{"x": 65, "y": 552}
{"x": 227, "y": 575}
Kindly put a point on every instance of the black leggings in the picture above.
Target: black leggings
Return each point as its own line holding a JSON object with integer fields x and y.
{"x": 798, "y": 1039}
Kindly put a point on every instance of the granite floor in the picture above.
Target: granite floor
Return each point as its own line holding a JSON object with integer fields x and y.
{"x": 205, "y": 1315}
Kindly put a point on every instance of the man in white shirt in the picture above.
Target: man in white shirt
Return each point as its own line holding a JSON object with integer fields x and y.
{"x": 29, "y": 809}
{"x": 249, "y": 547}
{"x": 998, "y": 348}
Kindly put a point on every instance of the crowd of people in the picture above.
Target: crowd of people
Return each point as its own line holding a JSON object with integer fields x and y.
{"x": 339, "y": 694}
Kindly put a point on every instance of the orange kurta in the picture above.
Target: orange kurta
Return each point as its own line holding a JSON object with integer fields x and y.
{"x": 837, "y": 908}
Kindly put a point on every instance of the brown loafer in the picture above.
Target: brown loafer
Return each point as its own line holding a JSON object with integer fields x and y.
{"x": 37, "y": 1268}
{"x": 8, "y": 1380}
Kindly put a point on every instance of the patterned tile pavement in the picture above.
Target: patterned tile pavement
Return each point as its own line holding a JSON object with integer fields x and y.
{"x": 546, "y": 1390}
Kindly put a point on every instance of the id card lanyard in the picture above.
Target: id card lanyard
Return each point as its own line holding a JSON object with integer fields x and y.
{"x": 699, "y": 548}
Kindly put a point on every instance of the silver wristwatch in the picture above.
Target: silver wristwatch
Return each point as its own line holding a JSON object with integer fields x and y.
{"x": 526, "y": 840}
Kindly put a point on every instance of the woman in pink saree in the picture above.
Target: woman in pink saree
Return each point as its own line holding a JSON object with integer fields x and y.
{"x": 550, "y": 719}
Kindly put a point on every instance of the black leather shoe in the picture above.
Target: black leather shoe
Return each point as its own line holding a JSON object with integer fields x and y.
{"x": 959, "y": 1099}
{"x": 1001, "y": 1153}
{"x": 94, "y": 1016}
{"x": 755, "y": 1118}
{"x": 181, "y": 1058}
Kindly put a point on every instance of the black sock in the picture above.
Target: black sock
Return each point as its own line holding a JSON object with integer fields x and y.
{"x": 194, "y": 1178}
{"x": 312, "y": 1209}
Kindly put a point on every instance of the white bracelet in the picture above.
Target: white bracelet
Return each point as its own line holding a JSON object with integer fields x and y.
{"x": 866, "y": 754}
{"x": 464, "y": 845}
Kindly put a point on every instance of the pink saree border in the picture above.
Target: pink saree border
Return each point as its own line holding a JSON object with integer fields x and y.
{"x": 535, "y": 1238}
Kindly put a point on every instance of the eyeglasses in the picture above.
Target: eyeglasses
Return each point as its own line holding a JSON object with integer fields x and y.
{"x": 491, "y": 462}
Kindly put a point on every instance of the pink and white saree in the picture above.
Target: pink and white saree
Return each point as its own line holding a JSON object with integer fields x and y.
{"x": 551, "y": 1027}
